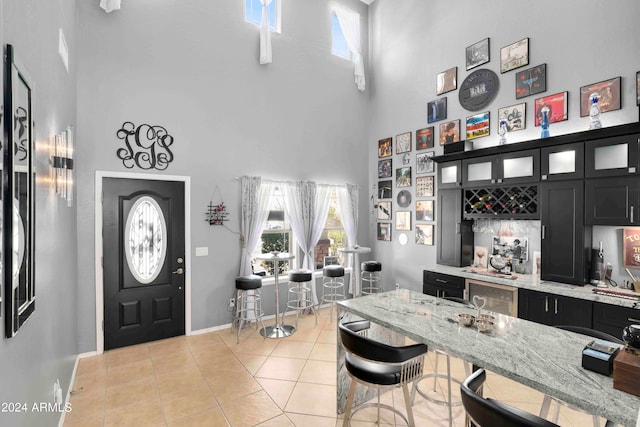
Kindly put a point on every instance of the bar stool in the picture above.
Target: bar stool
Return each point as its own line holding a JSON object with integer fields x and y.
{"x": 247, "y": 291}
{"x": 300, "y": 296}
{"x": 449, "y": 402}
{"x": 370, "y": 277}
{"x": 332, "y": 285}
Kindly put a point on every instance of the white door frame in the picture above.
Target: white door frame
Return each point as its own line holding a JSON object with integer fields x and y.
{"x": 100, "y": 175}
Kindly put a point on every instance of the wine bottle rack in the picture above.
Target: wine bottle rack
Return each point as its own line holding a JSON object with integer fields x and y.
{"x": 506, "y": 202}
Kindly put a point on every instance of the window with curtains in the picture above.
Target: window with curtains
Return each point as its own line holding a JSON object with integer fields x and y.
{"x": 253, "y": 13}
{"x": 278, "y": 236}
{"x": 338, "y": 43}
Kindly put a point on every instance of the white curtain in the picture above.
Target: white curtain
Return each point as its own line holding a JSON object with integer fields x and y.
{"x": 307, "y": 206}
{"x": 348, "y": 200}
{"x": 350, "y": 24}
{"x": 265, "y": 34}
{"x": 255, "y": 210}
{"x": 110, "y": 5}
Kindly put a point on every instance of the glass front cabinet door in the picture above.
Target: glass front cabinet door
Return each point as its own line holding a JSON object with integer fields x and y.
{"x": 519, "y": 167}
{"x": 450, "y": 175}
{"x": 562, "y": 162}
{"x": 616, "y": 156}
{"x": 479, "y": 171}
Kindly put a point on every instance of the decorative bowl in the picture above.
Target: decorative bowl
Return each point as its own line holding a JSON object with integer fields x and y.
{"x": 484, "y": 325}
{"x": 466, "y": 319}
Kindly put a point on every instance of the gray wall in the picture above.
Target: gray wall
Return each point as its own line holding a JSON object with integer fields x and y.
{"x": 581, "y": 42}
{"x": 192, "y": 66}
{"x": 45, "y": 347}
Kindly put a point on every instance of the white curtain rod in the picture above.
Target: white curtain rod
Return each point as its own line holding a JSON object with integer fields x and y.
{"x": 237, "y": 178}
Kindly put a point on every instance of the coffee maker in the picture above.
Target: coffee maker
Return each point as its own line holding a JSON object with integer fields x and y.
{"x": 597, "y": 267}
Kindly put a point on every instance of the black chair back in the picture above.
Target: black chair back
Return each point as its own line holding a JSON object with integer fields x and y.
{"x": 486, "y": 412}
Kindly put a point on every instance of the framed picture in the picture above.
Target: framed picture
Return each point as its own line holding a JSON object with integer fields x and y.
{"x": 511, "y": 247}
{"x": 478, "y": 125}
{"x": 384, "y": 231}
{"x": 477, "y": 53}
{"x": 437, "y": 110}
{"x": 384, "y": 211}
{"x": 424, "y": 234}
{"x": 514, "y": 56}
{"x": 424, "y": 186}
{"x": 403, "y": 177}
{"x": 424, "y": 138}
{"x": 403, "y": 143}
{"x": 516, "y": 116}
{"x": 637, "y": 87}
{"x": 385, "y": 168}
{"x": 450, "y": 132}
{"x": 531, "y": 81}
{"x": 537, "y": 258}
{"x": 424, "y": 210}
{"x": 480, "y": 256}
{"x": 403, "y": 221}
{"x": 384, "y": 189}
{"x": 446, "y": 81}
{"x": 384, "y": 148}
{"x": 424, "y": 162}
{"x": 631, "y": 247}
{"x": 557, "y": 104}
{"x": 609, "y": 91}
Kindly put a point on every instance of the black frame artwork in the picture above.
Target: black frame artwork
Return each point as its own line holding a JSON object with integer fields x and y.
{"x": 18, "y": 213}
{"x": 477, "y": 54}
{"x": 514, "y": 56}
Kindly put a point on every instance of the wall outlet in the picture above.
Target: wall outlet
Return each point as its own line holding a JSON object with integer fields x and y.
{"x": 57, "y": 393}
{"x": 232, "y": 303}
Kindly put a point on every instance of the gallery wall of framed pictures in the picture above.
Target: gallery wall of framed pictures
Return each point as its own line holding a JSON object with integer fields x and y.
{"x": 406, "y": 171}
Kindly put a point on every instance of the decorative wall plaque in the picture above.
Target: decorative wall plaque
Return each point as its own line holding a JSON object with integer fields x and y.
{"x": 147, "y": 147}
{"x": 478, "y": 89}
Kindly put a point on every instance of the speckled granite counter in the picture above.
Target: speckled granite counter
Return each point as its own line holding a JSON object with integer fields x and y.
{"x": 528, "y": 281}
{"x": 542, "y": 357}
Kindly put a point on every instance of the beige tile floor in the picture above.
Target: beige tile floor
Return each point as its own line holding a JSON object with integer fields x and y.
{"x": 210, "y": 380}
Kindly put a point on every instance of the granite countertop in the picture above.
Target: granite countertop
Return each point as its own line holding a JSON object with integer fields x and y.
{"x": 545, "y": 358}
{"x": 533, "y": 282}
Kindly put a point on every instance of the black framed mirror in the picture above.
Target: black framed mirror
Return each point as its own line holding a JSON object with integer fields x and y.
{"x": 18, "y": 189}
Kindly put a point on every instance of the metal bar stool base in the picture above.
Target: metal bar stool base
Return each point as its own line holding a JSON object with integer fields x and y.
{"x": 277, "y": 331}
{"x": 433, "y": 399}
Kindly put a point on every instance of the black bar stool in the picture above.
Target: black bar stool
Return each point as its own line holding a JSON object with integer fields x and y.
{"x": 370, "y": 277}
{"x": 332, "y": 285}
{"x": 300, "y": 295}
{"x": 248, "y": 300}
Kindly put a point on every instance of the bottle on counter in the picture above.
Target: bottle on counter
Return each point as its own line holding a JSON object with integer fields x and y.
{"x": 508, "y": 268}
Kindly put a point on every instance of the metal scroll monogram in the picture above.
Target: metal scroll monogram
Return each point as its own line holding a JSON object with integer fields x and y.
{"x": 146, "y": 146}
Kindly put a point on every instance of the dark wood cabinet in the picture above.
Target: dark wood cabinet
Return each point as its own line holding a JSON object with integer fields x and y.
{"x": 612, "y": 201}
{"x": 565, "y": 241}
{"x": 562, "y": 162}
{"x": 442, "y": 285}
{"x": 612, "y": 319}
{"x": 615, "y": 156}
{"x": 454, "y": 235}
{"x": 450, "y": 175}
{"x": 554, "y": 310}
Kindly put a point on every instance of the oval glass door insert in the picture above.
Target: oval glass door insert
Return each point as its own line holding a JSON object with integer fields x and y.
{"x": 145, "y": 239}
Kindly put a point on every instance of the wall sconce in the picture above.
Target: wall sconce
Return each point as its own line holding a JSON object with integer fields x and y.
{"x": 62, "y": 164}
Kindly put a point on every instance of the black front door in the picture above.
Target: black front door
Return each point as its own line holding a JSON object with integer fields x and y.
{"x": 143, "y": 260}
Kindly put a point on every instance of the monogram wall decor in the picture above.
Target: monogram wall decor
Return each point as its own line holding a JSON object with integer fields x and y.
{"x": 146, "y": 146}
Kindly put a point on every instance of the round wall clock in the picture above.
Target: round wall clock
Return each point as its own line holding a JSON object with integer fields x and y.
{"x": 478, "y": 89}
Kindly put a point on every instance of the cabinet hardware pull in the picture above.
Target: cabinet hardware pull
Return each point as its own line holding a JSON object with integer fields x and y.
{"x": 556, "y": 306}
{"x": 457, "y": 228}
{"x": 631, "y": 214}
{"x": 441, "y": 281}
{"x": 546, "y": 304}
{"x": 544, "y": 229}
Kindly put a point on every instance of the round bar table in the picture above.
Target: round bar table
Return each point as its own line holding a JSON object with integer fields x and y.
{"x": 277, "y": 330}
{"x": 355, "y": 251}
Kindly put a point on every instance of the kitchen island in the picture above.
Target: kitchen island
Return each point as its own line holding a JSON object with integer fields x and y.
{"x": 544, "y": 358}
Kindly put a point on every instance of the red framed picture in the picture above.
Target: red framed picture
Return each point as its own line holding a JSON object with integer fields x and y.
{"x": 424, "y": 138}
{"x": 557, "y": 105}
